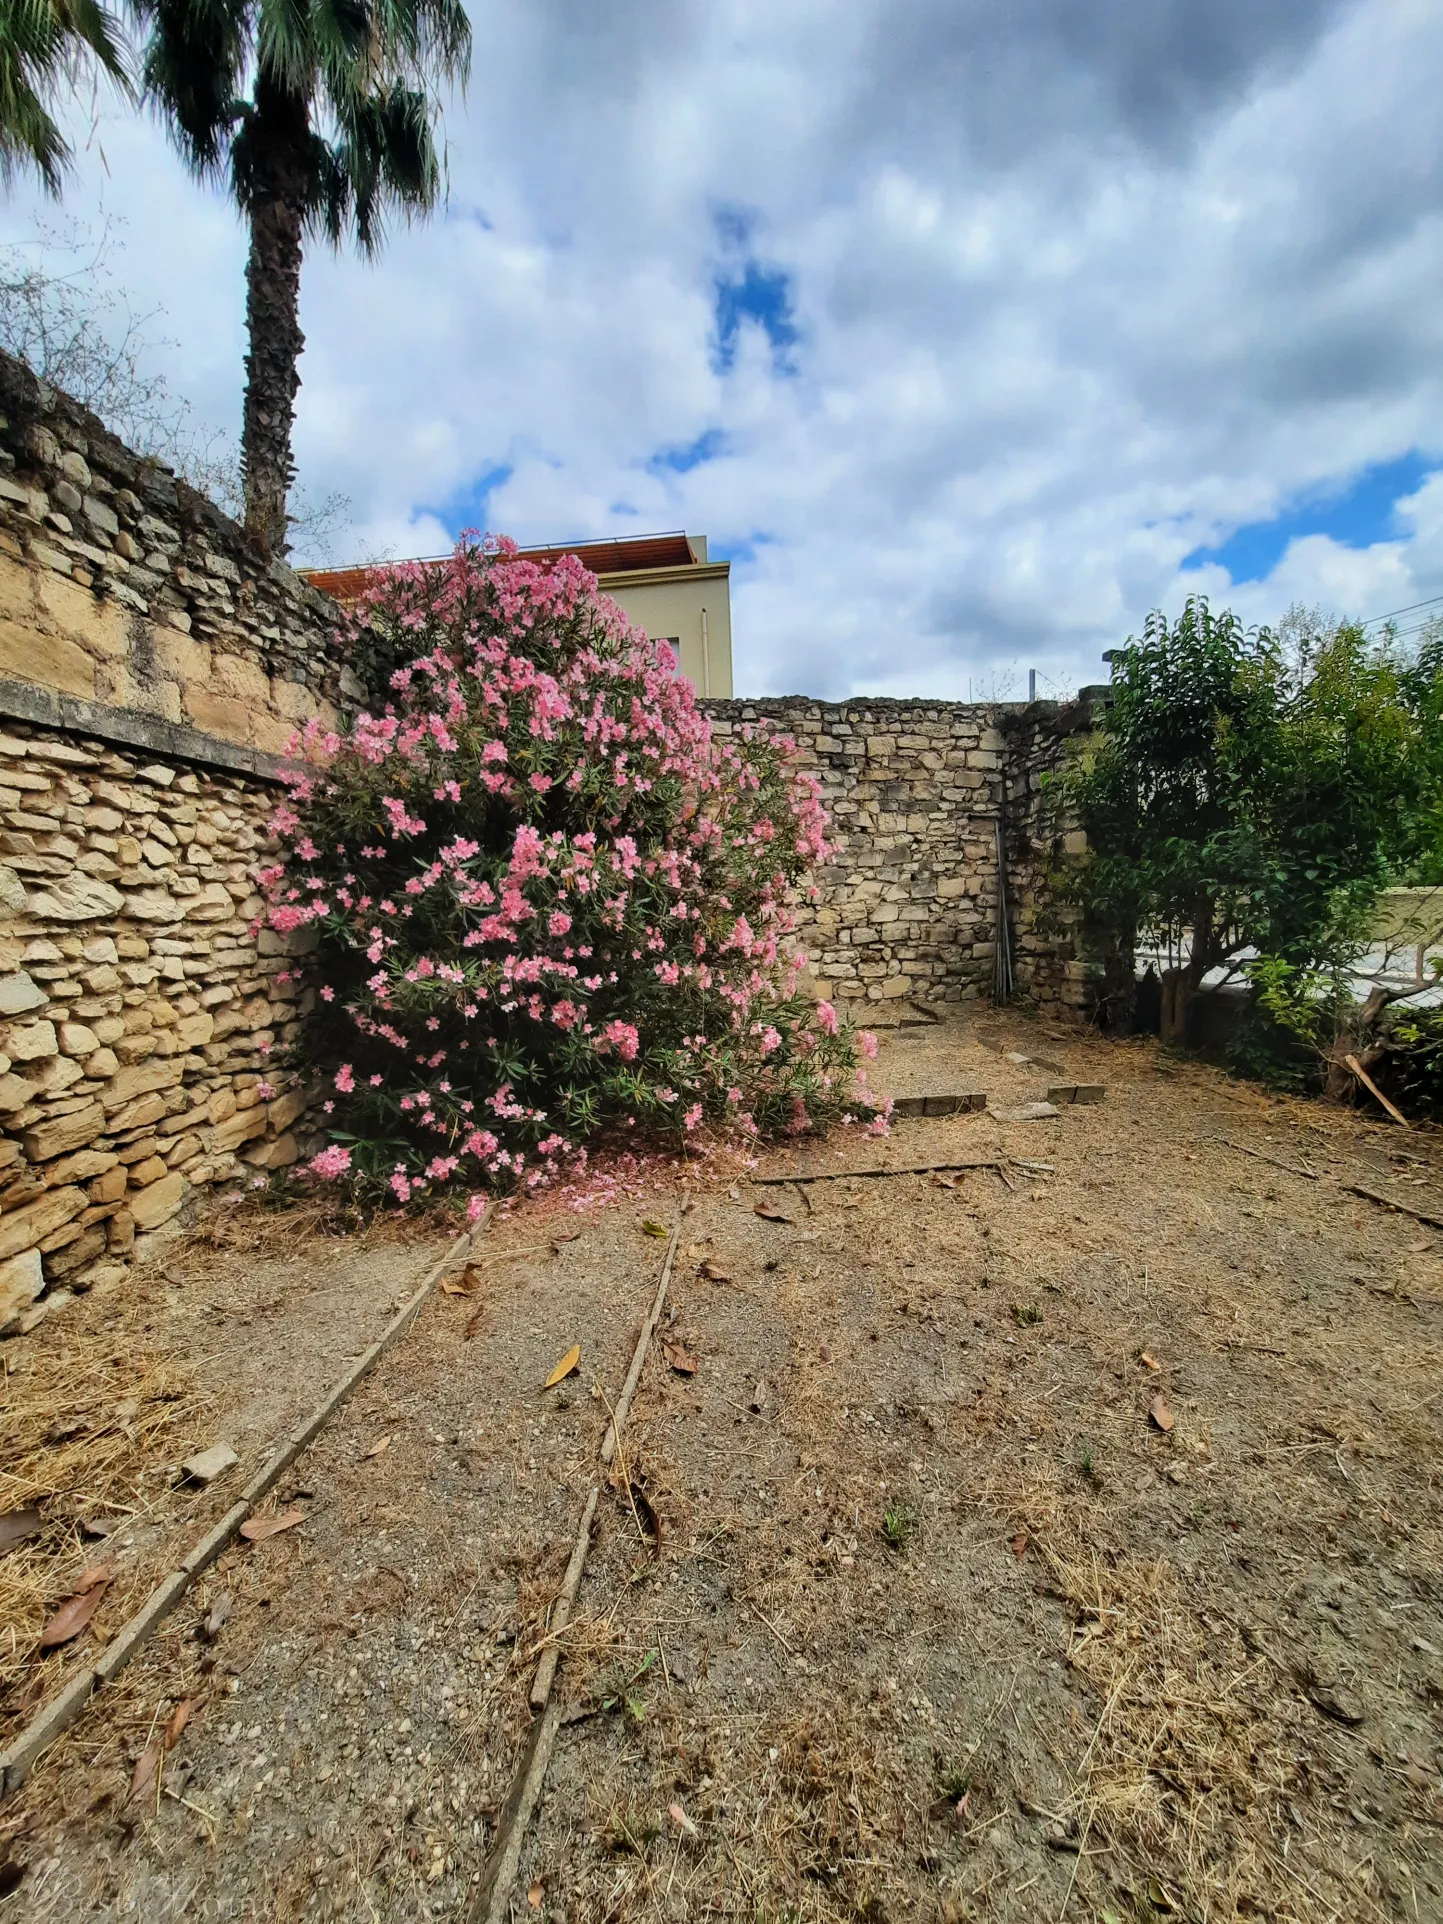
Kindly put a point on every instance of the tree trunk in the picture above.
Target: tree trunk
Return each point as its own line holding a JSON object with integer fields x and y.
{"x": 1175, "y": 1000}
{"x": 273, "y": 293}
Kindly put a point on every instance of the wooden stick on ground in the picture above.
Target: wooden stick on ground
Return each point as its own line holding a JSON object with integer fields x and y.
{"x": 561, "y": 1609}
{"x": 907, "y": 1169}
{"x": 1292, "y": 1168}
{"x": 1368, "y": 1083}
{"x": 492, "y": 1901}
{"x": 633, "y": 1375}
{"x": 1391, "y": 1202}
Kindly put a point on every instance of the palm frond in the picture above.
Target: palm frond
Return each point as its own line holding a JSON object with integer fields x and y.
{"x": 42, "y": 44}
{"x": 386, "y": 154}
{"x": 286, "y": 44}
{"x": 195, "y": 59}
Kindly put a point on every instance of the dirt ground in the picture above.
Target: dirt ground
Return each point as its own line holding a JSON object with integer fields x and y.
{"x": 943, "y": 1620}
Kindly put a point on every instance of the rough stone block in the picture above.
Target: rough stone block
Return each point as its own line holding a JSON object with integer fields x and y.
{"x": 27, "y": 1227}
{"x": 156, "y": 1204}
{"x": 243, "y": 1126}
{"x": 51, "y": 661}
{"x": 81, "y": 1166}
{"x": 279, "y": 1154}
{"x": 21, "y": 1280}
{"x": 285, "y": 1110}
{"x": 213, "y": 904}
{"x": 18, "y": 994}
{"x": 152, "y": 905}
{"x": 33, "y": 1042}
{"x": 110, "y": 1186}
{"x": 140, "y": 1080}
{"x": 220, "y": 715}
{"x": 65, "y": 1133}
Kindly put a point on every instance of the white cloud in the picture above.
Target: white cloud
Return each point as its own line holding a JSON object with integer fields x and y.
{"x": 1078, "y": 285}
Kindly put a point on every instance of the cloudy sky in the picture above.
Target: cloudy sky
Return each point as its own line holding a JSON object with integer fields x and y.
{"x": 970, "y": 332}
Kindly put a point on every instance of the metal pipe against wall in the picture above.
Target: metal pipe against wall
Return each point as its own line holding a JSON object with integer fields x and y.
{"x": 705, "y": 656}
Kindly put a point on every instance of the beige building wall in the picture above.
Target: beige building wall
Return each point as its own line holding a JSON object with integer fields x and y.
{"x": 689, "y": 606}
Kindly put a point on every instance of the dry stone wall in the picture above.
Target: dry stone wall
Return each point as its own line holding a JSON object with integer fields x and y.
{"x": 916, "y": 790}
{"x": 140, "y": 1010}
{"x": 123, "y": 586}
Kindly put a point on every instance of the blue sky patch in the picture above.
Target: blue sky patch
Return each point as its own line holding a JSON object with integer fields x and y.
{"x": 469, "y": 507}
{"x": 681, "y": 460}
{"x": 1356, "y": 515}
{"x": 741, "y": 551}
{"x": 759, "y": 294}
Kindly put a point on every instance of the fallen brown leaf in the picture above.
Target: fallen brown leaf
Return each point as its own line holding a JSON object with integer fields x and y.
{"x": 180, "y": 1717}
{"x": 681, "y": 1360}
{"x": 564, "y": 1368}
{"x": 1149, "y": 1361}
{"x": 378, "y": 1448}
{"x": 565, "y": 1235}
{"x": 713, "y": 1271}
{"x": 261, "y": 1528}
{"x": 825, "y": 1352}
{"x": 536, "y": 1896}
{"x": 215, "y": 1621}
{"x": 1158, "y": 1410}
{"x": 466, "y": 1285}
{"x": 772, "y": 1214}
{"x": 1019, "y": 1545}
{"x": 17, "y": 1525}
{"x": 73, "y": 1615}
{"x": 473, "y": 1321}
{"x": 146, "y": 1765}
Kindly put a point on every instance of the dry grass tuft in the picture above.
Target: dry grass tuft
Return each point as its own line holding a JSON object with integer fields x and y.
{"x": 1188, "y": 1774}
{"x": 87, "y": 1436}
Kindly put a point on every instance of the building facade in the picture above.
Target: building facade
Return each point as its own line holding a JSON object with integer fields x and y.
{"x": 664, "y": 583}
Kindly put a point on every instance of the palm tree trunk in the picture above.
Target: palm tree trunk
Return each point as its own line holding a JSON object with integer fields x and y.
{"x": 273, "y": 294}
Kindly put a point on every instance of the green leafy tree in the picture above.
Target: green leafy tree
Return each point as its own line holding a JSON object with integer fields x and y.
{"x": 44, "y": 44}
{"x": 320, "y": 118}
{"x": 1250, "y": 793}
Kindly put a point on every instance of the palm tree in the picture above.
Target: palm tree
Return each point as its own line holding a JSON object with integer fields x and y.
{"x": 41, "y": 42}
{"x": 337, "y": 126}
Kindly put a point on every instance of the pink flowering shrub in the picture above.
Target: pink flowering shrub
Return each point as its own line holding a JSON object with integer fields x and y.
{"x": 551, "y": 906}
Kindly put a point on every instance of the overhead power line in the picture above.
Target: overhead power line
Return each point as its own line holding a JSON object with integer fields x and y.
{"x": 1412, "y": 608}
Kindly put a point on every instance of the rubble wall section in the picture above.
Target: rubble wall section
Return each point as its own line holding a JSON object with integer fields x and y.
{"x": 121, "y": 585}
{"x": 915, "y": 792}
{"x": 138, "y": 1010}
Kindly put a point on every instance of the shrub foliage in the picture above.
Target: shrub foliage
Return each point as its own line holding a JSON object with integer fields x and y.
{"x": 551, "y": 906}
{"x": 1251, "y": 792}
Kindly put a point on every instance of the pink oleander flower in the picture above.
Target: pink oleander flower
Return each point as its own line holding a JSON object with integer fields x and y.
{"x": 330, "y": 1163}
{"x": 491, "y": 941}
{"x": 867, "y": 1043}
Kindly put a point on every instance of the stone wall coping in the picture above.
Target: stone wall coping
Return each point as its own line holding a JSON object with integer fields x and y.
{"x": 1056, "y": 716}
{"x": 129, "y": 728}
